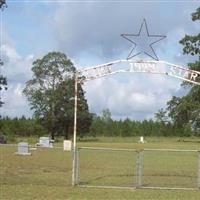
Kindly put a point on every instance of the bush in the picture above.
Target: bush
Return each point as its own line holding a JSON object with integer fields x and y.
{"x": 3, "y": 139}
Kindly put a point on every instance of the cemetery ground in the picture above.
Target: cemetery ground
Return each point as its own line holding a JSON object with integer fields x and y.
{"x": 46, "y": 174}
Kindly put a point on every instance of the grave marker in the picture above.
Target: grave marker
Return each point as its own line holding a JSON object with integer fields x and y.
{"x": 67, "y": 145}
{"x": 23, "y": 149}
{"x": 45, "y": 142}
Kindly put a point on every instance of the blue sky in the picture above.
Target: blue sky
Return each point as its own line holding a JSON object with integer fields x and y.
{"x": 88, "y": 32}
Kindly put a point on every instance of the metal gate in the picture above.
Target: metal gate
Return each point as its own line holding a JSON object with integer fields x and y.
{"x": 132, "y": 168}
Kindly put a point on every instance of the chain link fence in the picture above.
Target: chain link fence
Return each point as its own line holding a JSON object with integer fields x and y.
{"x": 146, "y": 168}
{"x": 102, "y": 167}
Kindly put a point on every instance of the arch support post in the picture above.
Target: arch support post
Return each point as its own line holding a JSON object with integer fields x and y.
{"x": 74, "y": 162}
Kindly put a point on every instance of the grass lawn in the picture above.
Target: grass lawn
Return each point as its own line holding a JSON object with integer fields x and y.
{"x": 46, "y": 174}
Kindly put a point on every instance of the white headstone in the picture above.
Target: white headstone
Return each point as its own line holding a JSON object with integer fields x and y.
{"x": 23, "y": 149}
{"x": 50, "y": 144}
{"x": 45, "y": 142}
{"x": 141, "y": 139}
{"x": 67, "y": 145}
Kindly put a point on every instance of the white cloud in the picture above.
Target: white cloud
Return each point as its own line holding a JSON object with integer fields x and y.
{"x": 17, "y": 70}
{"x": 10, "y": 52}
{"x": 96, "y": 27}
{"x": 139, "y": 97}
{"x": 16, "y": 104}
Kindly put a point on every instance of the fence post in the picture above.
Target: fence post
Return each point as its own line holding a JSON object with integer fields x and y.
{"x": 139, "y": 168}
{"x": 198, "y": 175}
{"x": 77, "y": 167}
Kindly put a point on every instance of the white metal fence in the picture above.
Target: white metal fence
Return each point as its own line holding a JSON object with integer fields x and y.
{"x": 131, "y": 168}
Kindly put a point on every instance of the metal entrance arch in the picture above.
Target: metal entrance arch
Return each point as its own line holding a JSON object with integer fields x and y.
{"x": 132, "y": 66}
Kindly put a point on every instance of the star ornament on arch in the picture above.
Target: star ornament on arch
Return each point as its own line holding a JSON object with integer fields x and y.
{"x": 143, "y": 42}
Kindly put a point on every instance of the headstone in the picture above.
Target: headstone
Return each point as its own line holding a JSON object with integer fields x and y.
{"x": 141, "y": 139}
{"x": 45, "y": 142}
{"x": 67, "y": 145}
{"x": 23, "y": 149}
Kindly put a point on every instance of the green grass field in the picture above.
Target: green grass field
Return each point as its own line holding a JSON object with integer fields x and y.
{"x": 46, "y": 174}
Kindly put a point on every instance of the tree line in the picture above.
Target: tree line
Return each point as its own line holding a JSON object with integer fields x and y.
{"x": 104, "y": 125}
{"x": 101, "y": 125}
{"x": 12, "y": 128}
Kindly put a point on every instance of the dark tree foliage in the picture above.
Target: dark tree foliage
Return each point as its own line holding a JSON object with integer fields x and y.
{"x": 11, "y": 128}
{"x": 102, "y": 125}
{"x": 50, "y": 93}
{"x": 185, "y": 111}
{"x": 3, "y": 86}
{"x": 3, "y": 81}
{"x": 3, "y": 4}
{"x": 128, "y": 127}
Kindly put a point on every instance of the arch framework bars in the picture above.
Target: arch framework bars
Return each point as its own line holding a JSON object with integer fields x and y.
{"x": 132, "y": 66}
{"x": 151, "y": 67}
